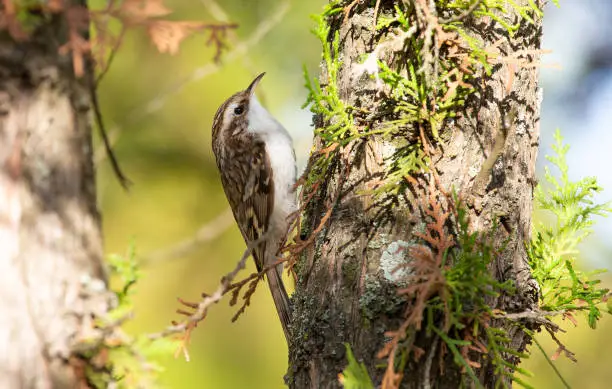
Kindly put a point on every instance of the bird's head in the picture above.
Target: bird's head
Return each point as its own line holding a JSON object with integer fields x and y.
{"x": 241, "y": 112}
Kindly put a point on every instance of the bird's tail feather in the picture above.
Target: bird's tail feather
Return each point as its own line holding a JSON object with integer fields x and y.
{"x": 281, "y": 300}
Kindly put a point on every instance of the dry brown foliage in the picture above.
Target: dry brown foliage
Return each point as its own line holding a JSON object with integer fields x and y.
{"x": 425, "y": 279}
{"x": 165, "y": 34}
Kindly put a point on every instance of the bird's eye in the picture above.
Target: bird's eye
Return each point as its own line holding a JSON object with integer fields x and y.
{"x": 239, "y": 110}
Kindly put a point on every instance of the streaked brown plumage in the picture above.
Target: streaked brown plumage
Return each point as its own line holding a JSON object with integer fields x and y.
{"x": 244, "y": 134}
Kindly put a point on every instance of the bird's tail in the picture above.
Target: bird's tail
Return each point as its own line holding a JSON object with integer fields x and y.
{"x": 281, "y": 300}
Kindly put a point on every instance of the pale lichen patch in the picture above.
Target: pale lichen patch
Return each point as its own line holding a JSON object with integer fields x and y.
{"x": 393, "y": 261}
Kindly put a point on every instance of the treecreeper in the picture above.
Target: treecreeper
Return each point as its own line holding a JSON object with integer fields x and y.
{"x": 256, "y": 161}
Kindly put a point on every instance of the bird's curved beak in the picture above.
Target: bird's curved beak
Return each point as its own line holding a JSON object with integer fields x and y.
{"x": 251, "y": 89}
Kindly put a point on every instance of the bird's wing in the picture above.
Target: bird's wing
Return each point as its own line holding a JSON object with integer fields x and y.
{"x": 249, "y": 187}
{"x": 250, "y": 190}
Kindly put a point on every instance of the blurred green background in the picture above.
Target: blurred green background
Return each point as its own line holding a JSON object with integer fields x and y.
{"x": 159, "y": 110}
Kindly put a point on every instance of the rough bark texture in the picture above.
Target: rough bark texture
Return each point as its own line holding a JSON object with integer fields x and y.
{"x": 51, "y": 277}
{"x": 344, "y": 292}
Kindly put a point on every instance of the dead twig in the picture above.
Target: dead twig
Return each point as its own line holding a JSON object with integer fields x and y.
{"x": 217, "y": 12}
{"x": 428, "y": 363}
{"x": 253, "y": 281}
{"x": 158, "y": 102}
{"x": 186, "y": 326}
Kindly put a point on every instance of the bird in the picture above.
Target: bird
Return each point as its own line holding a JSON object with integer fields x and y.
{"x": 256, "y": 161}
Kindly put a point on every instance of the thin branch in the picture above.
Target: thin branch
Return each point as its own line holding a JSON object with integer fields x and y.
{"x": 540, "y": 317}
{"x": 217, "y": 12}
{"x": 348, "y": 8}
{"x": 533, "y": 315}
{"x": 253, "y": 281}
{"x": 123, "y": 180}
{"x": 208, "y": 69}
{"x": 159, "y": 102}
{"x": 376, "y": 7}
{"x": 560, "y": 346}
{"x": 201, "y": 308}
{"x": 428, "y": 362}
{"x": 556, "y": 370}
{"x": 206, "y": 233}
{"x": 111, "y": 56}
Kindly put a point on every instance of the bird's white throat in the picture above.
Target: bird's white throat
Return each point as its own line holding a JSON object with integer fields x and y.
{"x": 282, "y": 158}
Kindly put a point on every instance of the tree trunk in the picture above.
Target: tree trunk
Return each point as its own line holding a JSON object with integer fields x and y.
{"x": 347, "y": 291}
{"x": 52, "y": 281}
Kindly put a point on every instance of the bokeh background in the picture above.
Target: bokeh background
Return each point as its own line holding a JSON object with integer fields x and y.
{"x": 159, "y": 110}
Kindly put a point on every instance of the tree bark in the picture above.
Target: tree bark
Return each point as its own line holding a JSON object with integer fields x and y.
{"x": 52, "y": 281}
{"x": 346, "y": 291}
